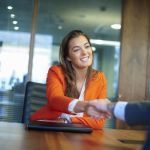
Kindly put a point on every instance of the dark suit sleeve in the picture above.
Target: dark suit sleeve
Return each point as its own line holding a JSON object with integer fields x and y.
{"x": 137, "y": 113}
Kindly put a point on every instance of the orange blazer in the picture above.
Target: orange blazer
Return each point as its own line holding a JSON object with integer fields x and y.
{"x": 58, "y": 102}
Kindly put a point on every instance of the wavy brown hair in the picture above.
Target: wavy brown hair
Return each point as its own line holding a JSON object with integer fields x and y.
{"x": 70, "y": 77}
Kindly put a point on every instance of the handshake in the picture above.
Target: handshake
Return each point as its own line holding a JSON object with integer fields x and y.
{"x": 100, "y": 108}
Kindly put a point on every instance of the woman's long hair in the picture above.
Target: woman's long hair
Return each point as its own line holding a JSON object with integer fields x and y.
{"x": 70, "y": 77}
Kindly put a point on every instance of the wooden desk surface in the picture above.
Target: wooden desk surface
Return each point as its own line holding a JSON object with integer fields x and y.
{"x": 13, "y": 136}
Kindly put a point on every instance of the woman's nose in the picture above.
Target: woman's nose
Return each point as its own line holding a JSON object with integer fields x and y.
{"x": 84, "y": 50}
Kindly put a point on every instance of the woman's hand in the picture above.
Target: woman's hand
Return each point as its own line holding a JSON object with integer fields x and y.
{"x": 94, "y": 113}
{"x": 98, "y": 108}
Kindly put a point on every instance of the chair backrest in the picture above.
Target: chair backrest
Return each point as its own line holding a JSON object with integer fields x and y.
{"x": 35, "y": 98}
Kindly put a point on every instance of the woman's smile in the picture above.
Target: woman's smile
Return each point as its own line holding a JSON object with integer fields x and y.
{"x": 85, "y": 58}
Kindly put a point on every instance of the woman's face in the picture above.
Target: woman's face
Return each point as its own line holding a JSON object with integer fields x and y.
{"x": 80, "y": 52}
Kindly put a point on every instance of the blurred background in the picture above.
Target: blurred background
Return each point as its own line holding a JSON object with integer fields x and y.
{"x": 31, "y": 32}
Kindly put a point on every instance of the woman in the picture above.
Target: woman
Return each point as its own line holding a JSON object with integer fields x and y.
{"x": 73, "y": 83}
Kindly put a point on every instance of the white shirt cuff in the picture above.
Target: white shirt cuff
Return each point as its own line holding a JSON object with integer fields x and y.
{"x": 72, "y": 105}
{"x": 119, "y": 110}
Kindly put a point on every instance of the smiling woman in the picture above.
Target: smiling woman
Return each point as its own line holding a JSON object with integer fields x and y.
{"x": 72, "y": 83}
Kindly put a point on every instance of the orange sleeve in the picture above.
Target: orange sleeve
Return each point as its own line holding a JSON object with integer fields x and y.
{"x": 103, "y": 88}
{"x": 97, "y": 89}
{"x": 55, "y": 89}
{"x": 90, "y": 122}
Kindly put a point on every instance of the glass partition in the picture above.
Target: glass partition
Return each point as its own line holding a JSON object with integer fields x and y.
{"x": 15, "y": 27}
{"x": 100, "y": 19}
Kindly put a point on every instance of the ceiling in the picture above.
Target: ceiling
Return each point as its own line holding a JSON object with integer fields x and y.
{"x": 58, "y": 17}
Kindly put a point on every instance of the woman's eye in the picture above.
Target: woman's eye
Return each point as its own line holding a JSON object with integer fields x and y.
{"x": 88, "y": 46}
{"x": 75, "y": 50}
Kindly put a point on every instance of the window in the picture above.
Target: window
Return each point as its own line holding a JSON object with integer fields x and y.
{"x": 54, "y": 20}
{"x": 14, "y": 55}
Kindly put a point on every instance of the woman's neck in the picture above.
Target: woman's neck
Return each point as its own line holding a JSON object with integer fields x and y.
{"x": 81, "y": 74}
{"x": 80, "y": 78}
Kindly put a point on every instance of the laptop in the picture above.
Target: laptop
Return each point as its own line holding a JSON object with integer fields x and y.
{"x": 57, "y": 126}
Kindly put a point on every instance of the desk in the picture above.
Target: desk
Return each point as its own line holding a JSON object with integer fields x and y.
{"x": 13, "y": 136}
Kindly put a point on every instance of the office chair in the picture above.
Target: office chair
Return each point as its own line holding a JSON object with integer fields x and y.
{"x": 35, "y": 98}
